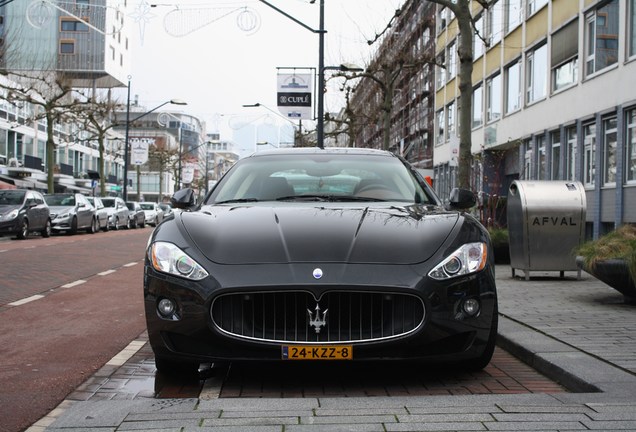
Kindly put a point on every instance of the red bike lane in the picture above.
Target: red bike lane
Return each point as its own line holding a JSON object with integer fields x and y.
{"x": 89, "y": 322}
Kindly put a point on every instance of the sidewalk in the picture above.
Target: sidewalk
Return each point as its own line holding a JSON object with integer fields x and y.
{"x": 578, "y": 332}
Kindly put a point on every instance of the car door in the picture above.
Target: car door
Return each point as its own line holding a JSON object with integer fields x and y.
{"x": 34, "y": 211}
{"x": 84, "y": 211}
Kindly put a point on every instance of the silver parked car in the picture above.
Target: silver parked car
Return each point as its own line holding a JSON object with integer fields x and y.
{"x": 71, "y": 212}
{"x": 101, "y": 212}
{"x": 117, "y": 212}
{"x": 152, "y": 212}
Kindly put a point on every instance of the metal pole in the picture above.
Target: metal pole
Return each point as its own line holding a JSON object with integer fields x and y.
{"x": 321, "y": 78}
{"x": 126, "y": 148}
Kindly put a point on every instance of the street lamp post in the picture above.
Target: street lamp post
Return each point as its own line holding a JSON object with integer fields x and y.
{"x": 127, "y": 143}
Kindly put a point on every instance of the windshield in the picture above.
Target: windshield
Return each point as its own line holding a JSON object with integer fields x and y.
{"x": 131, "y": 206}
{"x": 60, "y": 200}
{"x": 147, "y": 206}
{"x": 9, "y": 197}
{"x": 333, "y": 177}
{"x": 108, "y": 202}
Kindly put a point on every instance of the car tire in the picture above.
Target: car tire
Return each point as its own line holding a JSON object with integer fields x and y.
{"x": 478, "y": 363}
{"x": 46, "y": 232}
{"x": 116, "y": 227}
{"x": 92, "y": 229}
{"x": 73, "y": 229}
{"x": 106, "y": 228}
{"x": 24, "y": 229}
{"x": 176, "y": 368}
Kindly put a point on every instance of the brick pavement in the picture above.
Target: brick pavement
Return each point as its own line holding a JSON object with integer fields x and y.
{"x": 579, "y": 332}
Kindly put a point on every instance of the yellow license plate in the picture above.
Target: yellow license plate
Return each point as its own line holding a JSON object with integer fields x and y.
{"x": 317, "y": 352}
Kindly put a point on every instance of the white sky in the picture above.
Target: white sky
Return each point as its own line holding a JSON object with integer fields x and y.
{"x": 218, "y": 67}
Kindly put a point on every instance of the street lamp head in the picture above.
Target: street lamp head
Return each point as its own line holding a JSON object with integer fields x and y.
{"x": 257, "y": 104}
{"x": 178, "y": 102}
{"x": 350, "y": 67}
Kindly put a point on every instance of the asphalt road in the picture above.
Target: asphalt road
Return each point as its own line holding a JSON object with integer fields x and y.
{"x": 68, "y": 304}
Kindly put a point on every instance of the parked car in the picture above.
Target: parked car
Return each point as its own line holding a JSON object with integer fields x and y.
{"x": 101, "y": 212}
{"x": 71, "y": 212}
{"x": 167, "y": 209}
{"x": 153, "y": 213}
{"x": 136, "y": 215}
{"x": 117, "y": 212}
{"x": 321, "y": 254}
{"x": 23, "y": 211}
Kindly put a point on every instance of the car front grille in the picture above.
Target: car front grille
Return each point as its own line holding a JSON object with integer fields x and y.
{"x": 339, "y": 316}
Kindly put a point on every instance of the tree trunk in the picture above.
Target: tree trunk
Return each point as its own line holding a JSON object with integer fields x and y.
{"x": 50, "y": 152}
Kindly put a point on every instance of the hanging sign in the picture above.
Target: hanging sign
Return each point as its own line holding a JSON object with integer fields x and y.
{"x": 294, "y": 95}
{"x": 139, "y": 149}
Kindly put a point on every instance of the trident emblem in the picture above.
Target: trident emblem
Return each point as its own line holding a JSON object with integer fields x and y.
{"x": 316, "y": 321}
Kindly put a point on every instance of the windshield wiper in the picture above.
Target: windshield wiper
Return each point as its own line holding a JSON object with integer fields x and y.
{"x": 237, "y": 200}
{"x": 333, "y": 198}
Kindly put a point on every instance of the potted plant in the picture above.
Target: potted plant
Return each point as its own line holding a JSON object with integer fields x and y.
{"x": 500, "y": 244}
{"x": 612, "y": 260}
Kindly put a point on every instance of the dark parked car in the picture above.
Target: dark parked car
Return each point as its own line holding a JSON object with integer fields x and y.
{"x": 71, "y": 212}
{"x": 318, "y": 254}
{"x": 23, "y": 211}
{"x": 136, "y": 215}
{"x": 100, "y": 212}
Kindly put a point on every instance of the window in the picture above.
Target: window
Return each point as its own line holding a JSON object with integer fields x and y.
{"x": 67, "y": 47}
{"x": 630, "y": 149}
{"x": 440, "y": 126}
{"x": 570, "y": 166}
{"x": 631, "y": 32}
{"x": 589, "y": 145}
{"x": 565, "y": 56}
{"x": 478, "y": 43}
{"x": 513, "y": 14}
{"x": 493, "y": 98}
{"x": 478, "y": 101}
{"x": 535, "y": 5}
{"x": 610, "y": 133}
{"x": 513, "y": 87}
{"x": 527, "y": 160}
{"x": 536, "y": 72}
{"x": 442, "y": 19}
{"x": 542, "y": 168}
{"x": 71, "y": 24}
{"x": 555, "y": 156}
{"x": 601, "y": 39}
{"x": 441, "y": 71}
{"x": 451, "y": 63}
{"x": 495, "y": 26}
{"x": 450, "y": 120}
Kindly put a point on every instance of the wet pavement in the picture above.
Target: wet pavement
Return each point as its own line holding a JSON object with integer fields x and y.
{"x": 572, "y": 367}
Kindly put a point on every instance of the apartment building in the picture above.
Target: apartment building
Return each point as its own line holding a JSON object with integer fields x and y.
{"x": 553, "y": 99}
{"x": 87, "y": 42}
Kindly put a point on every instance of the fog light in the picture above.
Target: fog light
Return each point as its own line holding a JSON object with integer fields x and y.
{"x": 166, "y": 307}
{"x": 471, "y": 307}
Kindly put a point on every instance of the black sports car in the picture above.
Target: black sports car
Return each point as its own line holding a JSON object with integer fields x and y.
{"x": 318, "y": 254}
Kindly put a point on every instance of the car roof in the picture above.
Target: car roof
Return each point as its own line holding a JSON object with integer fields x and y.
{"x": 327, "y": 150}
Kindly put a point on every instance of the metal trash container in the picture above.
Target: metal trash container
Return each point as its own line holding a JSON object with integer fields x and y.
{"x": 546, "y": 221}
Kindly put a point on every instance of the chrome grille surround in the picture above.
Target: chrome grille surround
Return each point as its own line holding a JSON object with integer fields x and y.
{"x": 283, "y": 316}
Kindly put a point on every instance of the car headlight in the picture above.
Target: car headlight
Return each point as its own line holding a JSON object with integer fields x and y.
{"x": 168, "y": 258}
{"x": 11, "y": 215}
{"x": 469, "y": 258}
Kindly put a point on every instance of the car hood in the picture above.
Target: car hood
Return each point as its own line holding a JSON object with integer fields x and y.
{"x": 286, "y": 234}
{"x": 60, "y": 209}
{"x": 7, "y": 208}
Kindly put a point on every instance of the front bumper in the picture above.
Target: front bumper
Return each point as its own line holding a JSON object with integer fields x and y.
{"x": 9, "y": 227}
{"x": 444, "y": 334}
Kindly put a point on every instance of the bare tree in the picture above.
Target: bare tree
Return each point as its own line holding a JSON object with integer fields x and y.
{"x": 54, "y": 100}
{"x": 466, "y": 24}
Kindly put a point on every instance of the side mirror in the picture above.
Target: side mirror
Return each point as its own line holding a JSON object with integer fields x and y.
{"x": 461, "y": 199}
{"x": 183, "y": 199}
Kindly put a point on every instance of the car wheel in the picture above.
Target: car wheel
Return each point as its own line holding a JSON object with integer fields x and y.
{"x": 106, "y": 227}
{"x": 98, "y": 225}
{"x": 178, "y": 368}
{"x": 73, "y": 229}
{"x": 116, "y": 227}
{"x": 477, "y": 364}
{"x": 24, "y": 230}
{"x": 92, "y": 229}
{"x": 46, "y": 232}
